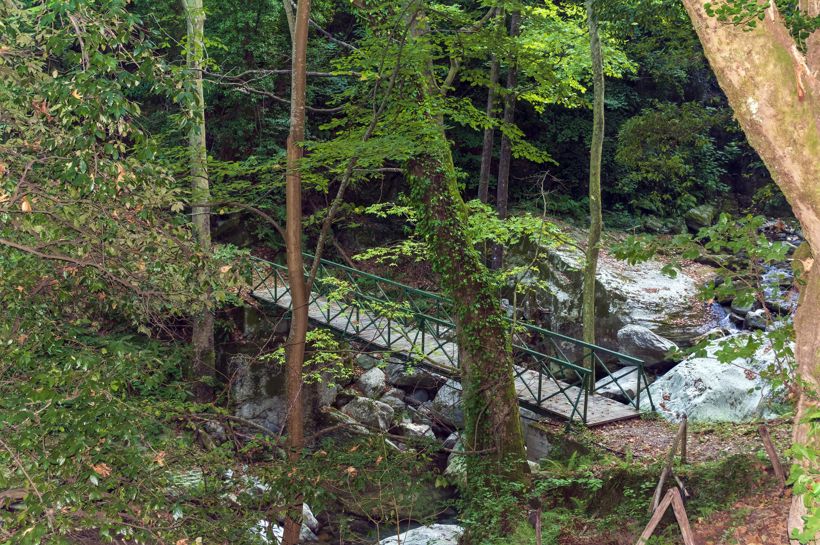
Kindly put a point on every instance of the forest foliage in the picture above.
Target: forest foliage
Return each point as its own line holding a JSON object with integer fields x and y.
{"x": 101, "y": 272}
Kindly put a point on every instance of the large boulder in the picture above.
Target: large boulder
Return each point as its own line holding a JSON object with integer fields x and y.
{"x": 447, "y": 405}
{"x": 700, "y": 216}
{"x": 627, "y": 383}
{"x": 258, "y": 394}
{"x": 367, "y": 362}
{"x": 373, "y": 414}
{"x": 639, "y": 294}
{"x": 643, "y": 343}
{"x": 372, "y": 383}
{"x": 408, "y": 376}
{"x": 410, "y": 429}
{"x": 435, "y": 534}
{"x": 704, "y": 389}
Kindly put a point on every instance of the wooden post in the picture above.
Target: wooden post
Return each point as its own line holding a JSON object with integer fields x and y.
{"x": 773, "y": 456}
{"x": 674, "y": 499}
{"x": 680, "y": 438}
{"x": 683, "y": 521}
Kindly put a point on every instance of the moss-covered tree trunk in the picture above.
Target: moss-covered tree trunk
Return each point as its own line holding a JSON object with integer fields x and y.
{"x": 494, "y": 439}
{"x": 595, "y": 150}
{"x": 492, "y": 421}
{"x": 202, "y": 336}
{"x": 774, "y": 90}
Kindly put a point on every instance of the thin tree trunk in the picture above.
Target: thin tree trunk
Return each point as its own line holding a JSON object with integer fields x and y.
{"x": 774, "y": 91}
{"x": 202, "y": 337}
{"x": 289, "y": 16}
{"x": 595, "y": 219}
{"x": 295, "y": 352}
{"x": 489, "y": 136}
{"x": 505, "y": 153}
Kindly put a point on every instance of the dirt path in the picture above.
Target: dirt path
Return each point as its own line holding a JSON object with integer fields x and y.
{"x": 649, "y": 440}
{"x": 755, "y": 520}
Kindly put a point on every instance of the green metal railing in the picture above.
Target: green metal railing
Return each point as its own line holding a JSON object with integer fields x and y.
{"x": 552, "y": 368}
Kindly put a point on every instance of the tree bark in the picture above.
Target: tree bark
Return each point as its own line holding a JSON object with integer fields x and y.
{"x": 202, "y": 336}
{"x": 489, "y": 136}
{"x": 775, "y": 94}
{"x": 295, "y": 350}
{"x": 811, "y": 8}
{"x": 492, "y": 420}
{"x": 505, "y": 153}
{"x": 491, "y": 417}
{"x": 595, "y": 219}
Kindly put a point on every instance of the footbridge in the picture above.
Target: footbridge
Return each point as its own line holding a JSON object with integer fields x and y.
{"x": 552, "y": 375}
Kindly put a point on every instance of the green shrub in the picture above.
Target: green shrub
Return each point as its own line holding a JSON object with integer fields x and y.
{"x": 670, "y": 158}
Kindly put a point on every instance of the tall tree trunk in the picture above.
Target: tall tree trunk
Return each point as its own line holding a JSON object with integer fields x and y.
{"x": 492, "y": 421}
{"x": 505, "y": 153}
{"x": 774, "y": 91}
{"x": 595, "y": 150}
{"x": 295, "y": 351}
{"x": 489, "y": 136}
{"x": 202, "y": 338}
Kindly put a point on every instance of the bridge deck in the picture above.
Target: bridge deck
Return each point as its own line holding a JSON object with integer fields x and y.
{"x": 401, "y": 339}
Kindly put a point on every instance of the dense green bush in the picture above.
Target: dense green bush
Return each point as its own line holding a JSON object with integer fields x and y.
{"x": 670, "y": 157}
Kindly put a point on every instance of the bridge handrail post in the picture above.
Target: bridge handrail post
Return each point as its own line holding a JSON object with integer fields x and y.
{"x": 422, "y": 326}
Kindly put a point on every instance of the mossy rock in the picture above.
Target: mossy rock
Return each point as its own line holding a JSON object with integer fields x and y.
{"x": 700, "y": 216}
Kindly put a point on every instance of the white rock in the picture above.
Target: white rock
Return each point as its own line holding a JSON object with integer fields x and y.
{"x": 263, "y": 530}
{"x": 638, "y": 294}
{"x": 643, "y": 343}
{"x": 373, "y": 382}
{"x": 451, "y": 440}
{"x": 447, "y": 404}
{"x": 707, "y": 390}
{"x": 370, "y": 412}
{"x": 410, "y": 429}
{"x": 456, "y": 468}
{"x": 757, "y": 319}
{"x": 627, "y": 378}
{"x": 308, "y": 518}
{"x": 435, "y": 534}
